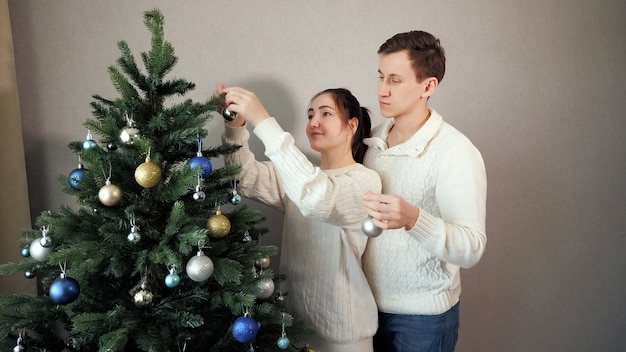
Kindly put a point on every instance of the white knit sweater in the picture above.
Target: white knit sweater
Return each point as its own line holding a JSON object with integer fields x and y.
{"x": 439, "y": 171}
{"x": 322, "y": 242}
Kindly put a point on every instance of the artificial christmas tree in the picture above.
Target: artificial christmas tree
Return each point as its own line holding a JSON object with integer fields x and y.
{"x": 149, "y": 261}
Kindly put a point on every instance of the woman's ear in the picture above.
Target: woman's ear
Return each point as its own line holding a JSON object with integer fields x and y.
{"x": 353, "y": 123}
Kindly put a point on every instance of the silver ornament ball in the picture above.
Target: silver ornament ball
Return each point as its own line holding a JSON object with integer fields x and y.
{"x": 369, "y": 229}
{"x": 265, "y": 289}
{"x": 129, "y": 135}
{"x": 143, "y": 298}
{"x": 200, "y": 267}
{"x": 199, "y": 196}
{"x": 45, "y": 241}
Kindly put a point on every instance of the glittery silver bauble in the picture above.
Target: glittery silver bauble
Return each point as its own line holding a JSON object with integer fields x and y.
{"x": 369, "y": 229}
{"x": 265, "y": 289}
{"x": 39, "y": 252}
{"x": 200, "y": 267}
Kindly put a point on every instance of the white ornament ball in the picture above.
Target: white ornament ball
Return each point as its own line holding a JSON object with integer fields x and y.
{"x": 200, "y": 267}
{"x": 39, "y": 252}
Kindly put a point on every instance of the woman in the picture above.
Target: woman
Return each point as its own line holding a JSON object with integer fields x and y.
{"x": 322, "y": 242}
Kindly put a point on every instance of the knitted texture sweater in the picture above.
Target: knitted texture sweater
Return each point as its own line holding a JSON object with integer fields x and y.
{"x": 322, "y": 242}
{"x": 439, "y": 171}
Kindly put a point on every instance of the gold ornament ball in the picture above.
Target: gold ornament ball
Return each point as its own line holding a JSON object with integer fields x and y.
{"x": 110, "y": 195}
{"x": 263, "y": 263}
{"x": 148, "y": 174}
{"x": 218, "y": 225}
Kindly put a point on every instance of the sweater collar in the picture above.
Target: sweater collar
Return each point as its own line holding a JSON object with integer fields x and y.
{"x": 415, "y": 145}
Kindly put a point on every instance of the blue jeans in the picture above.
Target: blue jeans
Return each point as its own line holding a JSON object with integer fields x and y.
{"x": 417, "y": 333}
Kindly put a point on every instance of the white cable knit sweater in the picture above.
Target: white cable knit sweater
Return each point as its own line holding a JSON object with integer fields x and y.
{"x": 322, "y": 242}
{"x": 439, "y": 171}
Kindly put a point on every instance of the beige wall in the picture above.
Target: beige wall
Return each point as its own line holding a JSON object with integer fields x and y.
{"x": 537, "y": 85}
{"x": 14, "y": 209}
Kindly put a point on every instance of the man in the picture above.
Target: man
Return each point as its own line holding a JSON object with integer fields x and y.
{"x": 432, "y": 208}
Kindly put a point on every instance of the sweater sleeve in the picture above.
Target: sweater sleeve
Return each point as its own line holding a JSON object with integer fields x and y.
{"x": 319, "y": 195}
{"x": 458, "y": 237}
{"x": 257, "y": 180}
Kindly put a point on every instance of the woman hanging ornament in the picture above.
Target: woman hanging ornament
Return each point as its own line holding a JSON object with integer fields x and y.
{"x": 148, "y": 174}
{"x": 64, "y": 289}
{"x": 109, "y": 195}
{"x": 89, "y": 143}
{"x": 76, "y": 176}
{"x": 129, "y": 133}
{"x": 201, "y": 162}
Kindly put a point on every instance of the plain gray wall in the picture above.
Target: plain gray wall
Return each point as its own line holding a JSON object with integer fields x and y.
{"x": 539, "y": 86}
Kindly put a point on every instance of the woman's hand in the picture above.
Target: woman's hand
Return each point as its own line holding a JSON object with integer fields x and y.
{"x": 245, "y": 104}
{"x": 390, "y": 211}
{"x": 238, "y": 121}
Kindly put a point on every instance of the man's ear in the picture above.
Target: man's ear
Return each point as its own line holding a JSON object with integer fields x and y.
{"x": 431, "y": 86}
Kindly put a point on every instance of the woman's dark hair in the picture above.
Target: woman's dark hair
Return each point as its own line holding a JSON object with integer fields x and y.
{"x": 350, "y": 107}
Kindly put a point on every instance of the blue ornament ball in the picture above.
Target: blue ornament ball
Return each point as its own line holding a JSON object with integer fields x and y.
{"x": 172, "y": 280}
{"x": 283, "y": 342}
{"x": 245, "y": 329}
{"x": 64, "y": 290}
{"x": 89, "y": 144}
{"x": 75, "y": 177}
{"x": 202, "y": 163}
{"x": 25, "y": 252}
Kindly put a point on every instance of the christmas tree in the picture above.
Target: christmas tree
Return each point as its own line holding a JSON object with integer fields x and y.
{"x": 147, "y": 261}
